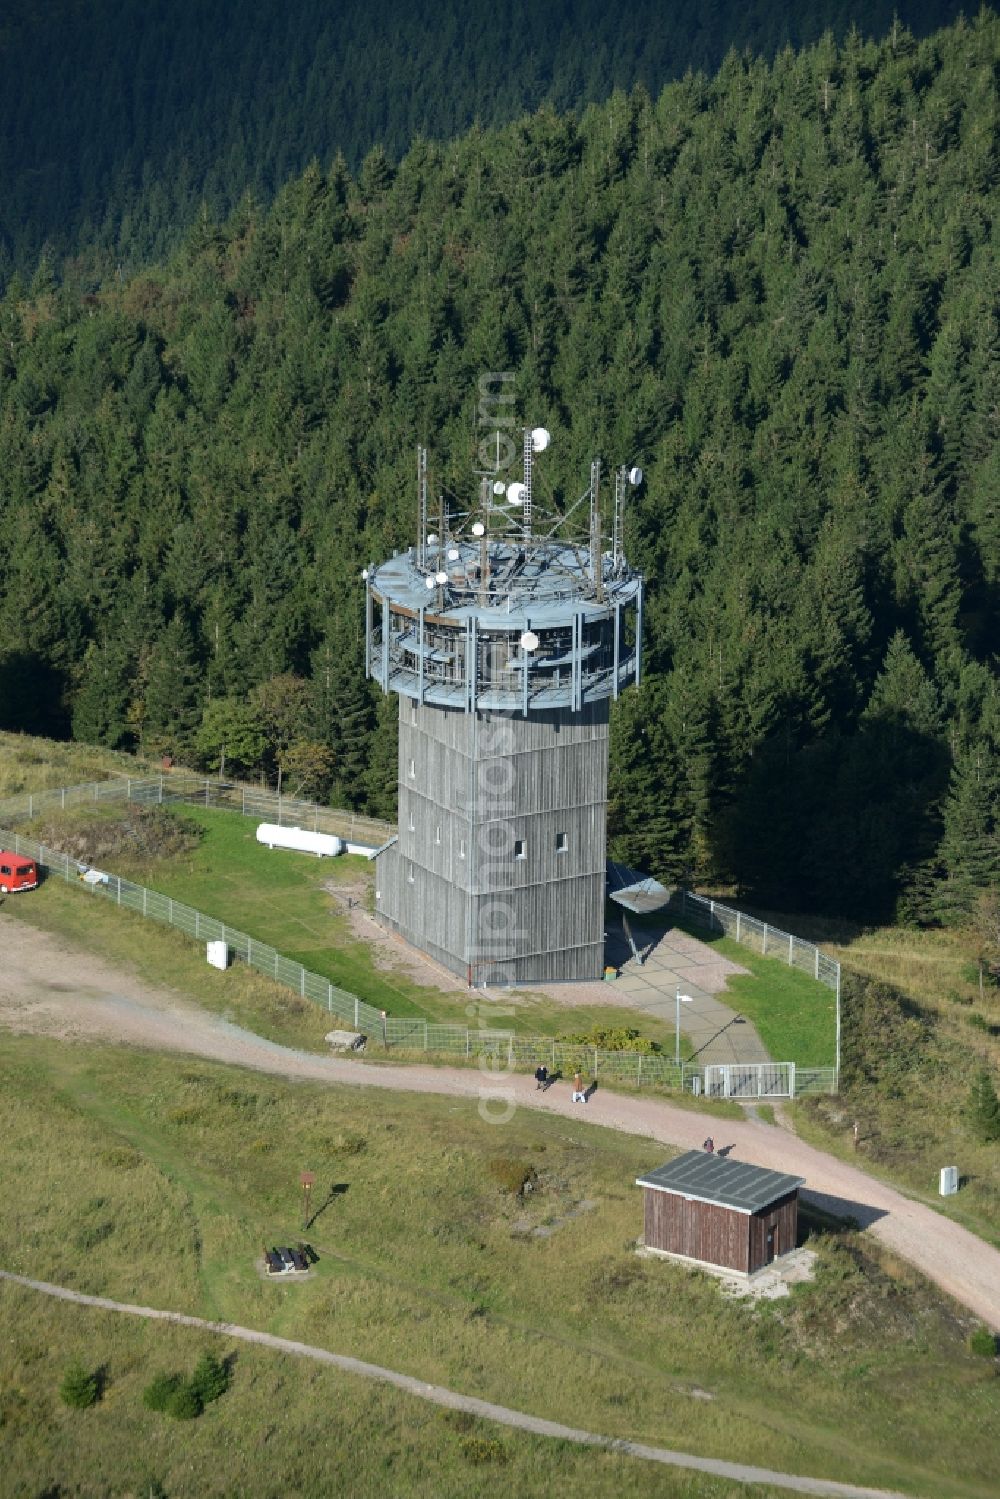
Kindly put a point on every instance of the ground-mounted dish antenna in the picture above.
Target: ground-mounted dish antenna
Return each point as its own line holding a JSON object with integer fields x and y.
{"x": 635, "y": 477}
{"x": 478, "y": 529}
{"x": 440, "y": 577}
{"x": 428, "y": 582}
{"x": 516, "y": 492}
{"x": 453, "y": 554}
{"x": 529, "y": 641}
{"x": 540, "y": 439}
{"x": 498, "y": 486}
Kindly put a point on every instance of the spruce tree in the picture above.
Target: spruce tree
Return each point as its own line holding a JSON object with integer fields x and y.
{"x": 983, "y": 1109}
{"x": 79, "y": 1388}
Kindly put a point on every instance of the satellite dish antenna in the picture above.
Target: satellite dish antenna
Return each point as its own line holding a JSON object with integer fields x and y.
{"x": 540, "y": 439}
{"x": 440, "y": 577}
{"x": 635, "y": 477}
{"x": 515, "y": 493}
{"x": 478, "y": 529}
{"x": 453, "y": 554}
{"x": 529, "y": 641}
{"x": 432, "y": 538}
{"x": 428, "y": 582}
{"x": 498, "y": 486}
{"x": 364, "y": 574}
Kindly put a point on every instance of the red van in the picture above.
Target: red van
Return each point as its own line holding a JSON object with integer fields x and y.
{"x": 16, "y": 872}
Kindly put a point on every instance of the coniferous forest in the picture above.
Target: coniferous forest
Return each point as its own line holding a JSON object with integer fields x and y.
{"x": 120, "y": 118}
{"x": 776, "y": 288}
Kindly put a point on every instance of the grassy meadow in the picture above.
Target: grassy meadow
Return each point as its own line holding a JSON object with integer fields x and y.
{"x": 158, "y": 1180}
{"x": 31, "y": 764}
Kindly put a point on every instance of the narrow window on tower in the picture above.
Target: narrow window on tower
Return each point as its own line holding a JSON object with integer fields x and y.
{"x": 413, "y": 770}
{"x": 562, "y": 843}
{"x": 413, "y": 826}
{"x": 437, "y": 833}
{"x": 409, "y": 873}
{"x": 520, "y": 849}
{"x": 413, "y": 712}
{"x": 461, "y": 848}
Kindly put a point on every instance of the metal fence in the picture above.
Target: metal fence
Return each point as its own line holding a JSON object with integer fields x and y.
{"x": 500, "y": 1049}
{"x": 234, "y": 796}
{"x": 769, "y": 941}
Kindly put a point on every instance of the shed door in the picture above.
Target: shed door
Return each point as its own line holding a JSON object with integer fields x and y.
{"x": 771, "y": 1248}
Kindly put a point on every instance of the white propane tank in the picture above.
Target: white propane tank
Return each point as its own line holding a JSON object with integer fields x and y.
{"x": 300, "y": 839}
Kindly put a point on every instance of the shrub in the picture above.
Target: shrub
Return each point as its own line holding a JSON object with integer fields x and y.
{"x": 158, "y": 1394}
{"x": 617, "y": 1038}
{"x": 481, "y": 1450}
{"x": 210, "y": 1378}
{"x": 983, "y": 1342}
{"x": 79, "y": 1389}
{"x": 183, "y": 1404}
{"x": 983, "y": 1110}
{"x": 979, "y": 1023}
{"x": 350, "y": 1143}
{"x": 512, "y": 1176}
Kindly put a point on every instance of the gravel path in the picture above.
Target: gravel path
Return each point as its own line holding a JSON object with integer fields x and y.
{"x": 485, "y": 1409}
{"x": 42, "y": 990}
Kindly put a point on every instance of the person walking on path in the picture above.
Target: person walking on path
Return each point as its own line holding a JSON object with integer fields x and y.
{"x": 579, "y": 1096}
{"x": 709, "y": 1145}
{"x": 541, "y": 1076}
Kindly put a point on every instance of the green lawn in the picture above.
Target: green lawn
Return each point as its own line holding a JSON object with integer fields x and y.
{"x": 795, "y": 1016}
{"x": 157, "y": 1180}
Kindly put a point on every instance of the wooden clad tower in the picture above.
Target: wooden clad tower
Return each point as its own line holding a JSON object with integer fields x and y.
{"x": 506, "y": 637}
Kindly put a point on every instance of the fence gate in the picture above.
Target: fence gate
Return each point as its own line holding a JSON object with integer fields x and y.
{"x": 751, "y": 1080}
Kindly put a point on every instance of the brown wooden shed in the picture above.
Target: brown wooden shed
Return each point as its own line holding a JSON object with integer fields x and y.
{"x": 720, "y": 1212}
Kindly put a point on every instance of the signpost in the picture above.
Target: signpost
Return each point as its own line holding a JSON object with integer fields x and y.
{"x": 307, "y": 1178}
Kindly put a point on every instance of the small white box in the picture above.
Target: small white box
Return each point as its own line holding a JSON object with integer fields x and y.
{"x": 949, "y": 1181}
{"x": 219, "y": 955}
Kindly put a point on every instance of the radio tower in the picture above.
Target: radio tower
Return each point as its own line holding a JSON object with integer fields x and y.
{"x": 506, "y": 631}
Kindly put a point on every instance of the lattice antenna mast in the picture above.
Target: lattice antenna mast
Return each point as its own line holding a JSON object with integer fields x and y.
{"x": 621, "y": 489}
{"x": 625, "y": 479}
{"x": 421, "y": 507}
{"x": 528, "y": 454}
{"x": 596, "y": 559}
{"x": 485, "y": 503}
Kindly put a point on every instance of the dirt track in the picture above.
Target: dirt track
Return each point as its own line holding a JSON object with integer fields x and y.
{"x": 51, "y": 988}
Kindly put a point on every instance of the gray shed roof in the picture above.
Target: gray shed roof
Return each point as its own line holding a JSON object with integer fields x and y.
{"x": 703, "y": 1177}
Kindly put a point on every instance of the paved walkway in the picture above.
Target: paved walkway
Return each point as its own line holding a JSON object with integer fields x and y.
{"x": 485, "y": 1409}
{"x": 713, "y": 1031}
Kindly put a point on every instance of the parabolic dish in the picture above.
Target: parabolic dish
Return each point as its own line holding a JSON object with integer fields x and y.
{"x": 440, "y": 577}
{"x": 498, "y": 486}
{"x": 635, "y": 477}
{"x": 516, "y": 493}
{"x": 478, "y": 529}
{"x": 529, "y": 641}
{"x": 453, "y": 554}
{"x": 428, "y": 582}
{"x": 540, "y": 439}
